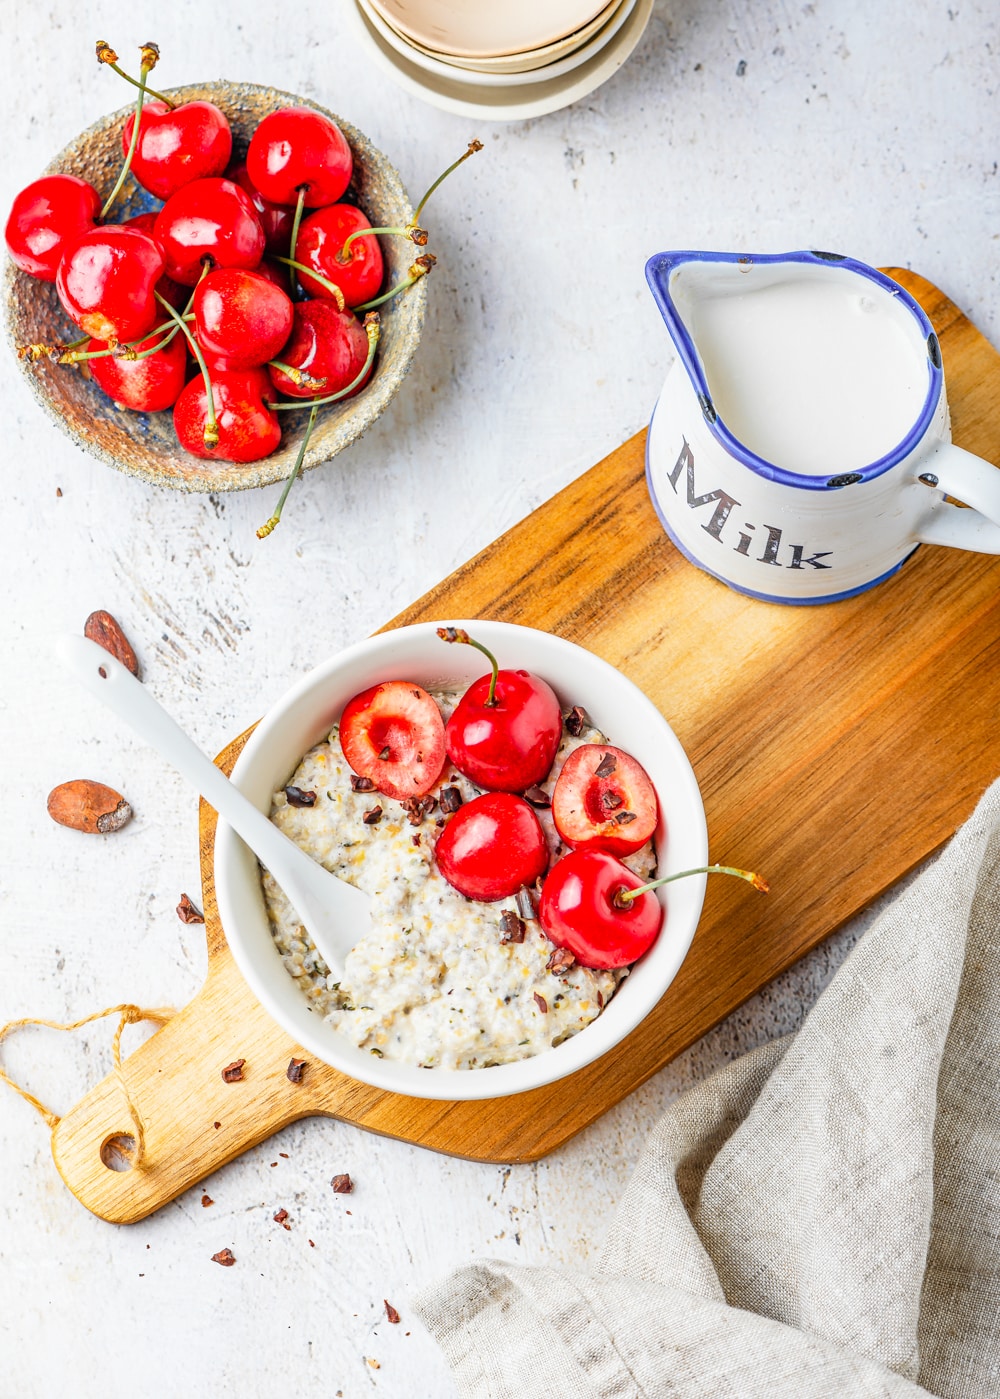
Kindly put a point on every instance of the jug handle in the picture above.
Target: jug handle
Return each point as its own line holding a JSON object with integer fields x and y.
{"x": 977, "y": 484}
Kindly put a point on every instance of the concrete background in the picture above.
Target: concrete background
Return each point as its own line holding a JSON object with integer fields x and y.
{"x": 761, "y": 127}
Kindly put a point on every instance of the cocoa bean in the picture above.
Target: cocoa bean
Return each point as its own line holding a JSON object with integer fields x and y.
{"x": 102, "y": 628}
{"x": 85, "y": 805}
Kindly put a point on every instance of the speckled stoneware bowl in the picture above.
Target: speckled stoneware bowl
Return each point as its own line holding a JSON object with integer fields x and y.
{"x": 144, "y": 444}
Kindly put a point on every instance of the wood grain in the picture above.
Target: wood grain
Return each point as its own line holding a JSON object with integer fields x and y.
{"x": 835, "y": 746}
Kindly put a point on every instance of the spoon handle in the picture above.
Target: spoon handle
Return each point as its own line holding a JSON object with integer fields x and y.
{"x": 115, "y": 686}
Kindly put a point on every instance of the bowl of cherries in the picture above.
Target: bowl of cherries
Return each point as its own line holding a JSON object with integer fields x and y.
{"x": 539, "y": 850}
{"x": 194, "y": 292}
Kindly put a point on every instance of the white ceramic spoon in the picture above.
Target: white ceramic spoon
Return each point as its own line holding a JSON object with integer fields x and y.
{"x": 334, "y": 913}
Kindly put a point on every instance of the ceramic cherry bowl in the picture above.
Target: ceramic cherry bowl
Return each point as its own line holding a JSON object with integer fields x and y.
{"x": 145, "y": 445}
{"x": 304, "y": 716}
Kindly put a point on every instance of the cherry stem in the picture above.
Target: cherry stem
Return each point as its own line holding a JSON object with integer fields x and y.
{"x": 474, "y": 146}
{"x": 372, "y": 331}
{"x": 331, "y": 287}
{"x": 419, "y": 269}
{"x": 272, "y": 523}
{"x": 622, "y": 896}
{"x": 453, "y": 634}
{"x": 211, "y": 434}
{"x": 128, "y": 351}
{"x": 144, "y": 73}
{"x": 411, "y": 231}
{"x": 297, "y": 376}
{"x": 299, "y": 205}
{"x": 107, "y": 55}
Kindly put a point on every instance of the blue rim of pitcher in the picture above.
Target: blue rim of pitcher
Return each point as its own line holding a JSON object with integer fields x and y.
{"x": 659, "y": 269}
{"x": 786, "y": 601}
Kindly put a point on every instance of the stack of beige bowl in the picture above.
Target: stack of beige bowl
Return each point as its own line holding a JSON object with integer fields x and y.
{"x": 500, "y": 59}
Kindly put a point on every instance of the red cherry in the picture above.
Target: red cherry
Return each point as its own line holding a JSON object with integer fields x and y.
{"x": 578, "y": 910}
{"x": 241, "y": 316}
{"x": 492, "y": 846}
{"x": 504, "y": 732}
{"x": 213, "y": 219}
{"x": 603, "y": 800}
{"x": 394, "y": 735}
{"x": 106, "y": 281}
{"x": 325, "y": 343}
{"x": 295, "y": 148}
{"x": 145, "y": 223}
{"x": 248, "y": 430}
{"x": 275, "y": 219}
{"x": 45, "y": 218}
{"x": 277, "y": 274}
{"x": 146, "y": 385}
{"x": 170, "y": 290}
{"x": 320, "y": 243}
{"x": 177, "y": 145}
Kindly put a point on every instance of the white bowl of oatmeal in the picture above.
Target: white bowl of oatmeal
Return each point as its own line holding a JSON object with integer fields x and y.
{"x": 434, "y": 1003}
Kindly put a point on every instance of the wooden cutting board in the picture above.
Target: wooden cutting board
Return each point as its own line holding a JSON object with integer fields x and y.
{"x": 836, "y": 747}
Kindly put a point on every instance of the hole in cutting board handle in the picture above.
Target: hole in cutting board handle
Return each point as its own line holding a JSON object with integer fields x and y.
{"x": 118, "y": 1151}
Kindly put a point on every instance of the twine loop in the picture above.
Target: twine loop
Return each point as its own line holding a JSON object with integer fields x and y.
{"x": 128, "y": 1015}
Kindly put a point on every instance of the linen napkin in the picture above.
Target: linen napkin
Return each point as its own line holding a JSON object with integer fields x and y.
{"x": 820, "y": 1219}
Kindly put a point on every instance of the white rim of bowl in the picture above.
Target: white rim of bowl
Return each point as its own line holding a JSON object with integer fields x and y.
{"x": 511, "y": 62}
{"x": 500, "y": 103}
{"x": 575, "y": 1053}
{"x": 557, "y": 69}
{"x": 476, "y": 49}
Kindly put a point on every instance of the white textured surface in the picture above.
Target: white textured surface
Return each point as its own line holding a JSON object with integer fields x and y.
{"x": 869, "y": 131}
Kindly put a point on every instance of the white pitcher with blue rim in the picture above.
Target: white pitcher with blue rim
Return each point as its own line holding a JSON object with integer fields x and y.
{"x": 801, "y": 447}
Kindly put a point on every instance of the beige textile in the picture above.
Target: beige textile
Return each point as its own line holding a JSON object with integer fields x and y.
{"x": 818, "y": 1220}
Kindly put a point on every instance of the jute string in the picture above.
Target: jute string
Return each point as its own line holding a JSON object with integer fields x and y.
{"x": 128, "y": 1015}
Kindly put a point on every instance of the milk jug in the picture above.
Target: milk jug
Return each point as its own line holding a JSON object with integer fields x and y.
{"x": 801, "y": 447}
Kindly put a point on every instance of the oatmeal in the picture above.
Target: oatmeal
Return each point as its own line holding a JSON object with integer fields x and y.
{"x": 439, "y": 980}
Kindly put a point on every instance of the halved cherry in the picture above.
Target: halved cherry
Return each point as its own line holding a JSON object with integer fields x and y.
{"x": 603, "y": 800}
{"x": 491, "y": 847}
{"x": 394, "y": 735}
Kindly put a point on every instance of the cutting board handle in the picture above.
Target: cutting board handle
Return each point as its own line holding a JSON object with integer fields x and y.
{"x": 194, "y": 1121}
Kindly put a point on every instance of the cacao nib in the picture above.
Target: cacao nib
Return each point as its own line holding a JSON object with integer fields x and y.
{"x": 560, "y": 960}
{"x": 451, "y": 799}
{"x": 541, "y": 1003}
{"x": 361, "y": 784}
{"x": 206, "y": 1200}
{"x": 511, "y": 927}
{"x": 417, "y": 808}
{"x": 226, "y": 1257}
{"x": 281, "y": 1217}
{"x": 187, "y": 912}
{"x": 296, "y": 797}
{"x": 372, "y": 817}
{"x": 391, "y": 1312}
{"x": 296, "y": 1070}
{"x": 526, "y": 903}
{"x": 611, "y": 801}
{"x": 576, "y": 720}
{"x": 536, "y": 797}
{"x": 342, "y": 1184}
{"x": 606, "y": 766}
{"x": 233, "y": 1072}
{"x": 625, "y": 817}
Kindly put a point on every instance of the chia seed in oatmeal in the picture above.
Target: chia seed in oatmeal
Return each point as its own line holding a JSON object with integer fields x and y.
{"x": 434, "y": 982}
